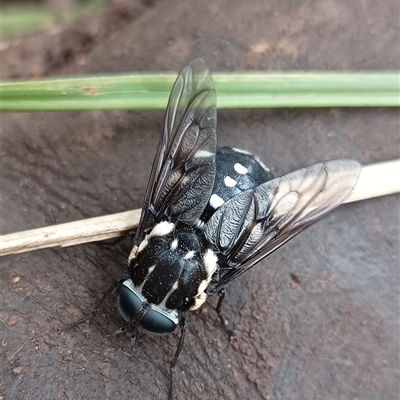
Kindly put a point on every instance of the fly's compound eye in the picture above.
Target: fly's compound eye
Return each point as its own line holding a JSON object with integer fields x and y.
{"x": 154, "y": 321}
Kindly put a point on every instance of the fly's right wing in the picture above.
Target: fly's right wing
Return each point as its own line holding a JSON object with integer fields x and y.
{"x": 257, "y": 222}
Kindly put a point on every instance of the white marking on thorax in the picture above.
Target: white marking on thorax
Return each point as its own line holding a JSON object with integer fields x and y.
{"x": 229, "y": 182}
{"x": 240, "y": 169}
{"x": 211, "y": 264}
{"x": 189, "y": 255}
{"x": 203, "y": 153}
{"x": 174, "y": 244}
{"x": 174, "y": 287}
{"x": 216, "y": 201}
{"x": 143, "y": 244}
{"x": 202, "y": 287}
{"x": 161, "y": 229}
{"x": 149, "y": 271}
{"x": 133, "y": 254}
{"x": 198, "y": 301}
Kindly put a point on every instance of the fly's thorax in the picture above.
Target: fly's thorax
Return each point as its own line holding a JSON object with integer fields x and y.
{"x": 171, "y": 268}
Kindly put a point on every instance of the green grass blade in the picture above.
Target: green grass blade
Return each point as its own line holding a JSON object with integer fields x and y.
{"x": 241, "y": 90}
{"x": 23, "y": 18}
{"x": 20, "y": 19}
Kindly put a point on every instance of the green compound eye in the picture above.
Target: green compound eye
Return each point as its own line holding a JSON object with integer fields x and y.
{"x": 153, "y": 321}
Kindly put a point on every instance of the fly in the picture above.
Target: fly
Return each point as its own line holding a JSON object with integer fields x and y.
{"x": 210, "y": 214}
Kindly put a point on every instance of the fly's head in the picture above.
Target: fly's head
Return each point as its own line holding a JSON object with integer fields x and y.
{"x": 140, "y": 314}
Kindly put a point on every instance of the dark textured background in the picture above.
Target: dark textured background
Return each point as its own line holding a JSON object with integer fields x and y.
{"x": 318, "y": 319}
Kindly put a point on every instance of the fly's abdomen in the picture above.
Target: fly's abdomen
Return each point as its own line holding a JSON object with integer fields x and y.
{"x": 236, "y": 172}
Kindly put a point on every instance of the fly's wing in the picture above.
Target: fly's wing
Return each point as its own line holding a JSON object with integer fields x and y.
{"x": 183, "y": 172}
{"x": 257, "y": 222}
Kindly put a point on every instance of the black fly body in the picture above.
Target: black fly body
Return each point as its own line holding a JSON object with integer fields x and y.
{"x": 210, "y": 214}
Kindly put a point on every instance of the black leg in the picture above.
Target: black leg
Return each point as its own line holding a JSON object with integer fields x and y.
{"x": 124, "y": 329}
{"x": 134, "y": 340}
{"x": 135, "y": 335}
{"x": 183, "y": 317}
{"x": 94, "y": 312}
{"x": 114, "y": 241}
{"x": 225, "y": 327}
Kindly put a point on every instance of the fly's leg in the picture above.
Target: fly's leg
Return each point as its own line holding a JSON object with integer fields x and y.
{"x": 183, "y": 317}
{"x": 135, "y": 335}
{"x": 225, "y": 327}
{"x": 106, "y": 243}
{"x": 134, "y": 340}
{"x": 96, "y": 309}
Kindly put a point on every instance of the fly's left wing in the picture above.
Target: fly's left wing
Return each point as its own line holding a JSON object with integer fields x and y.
{"x": 183, "y": 172}
{"x": 257, "y": 222}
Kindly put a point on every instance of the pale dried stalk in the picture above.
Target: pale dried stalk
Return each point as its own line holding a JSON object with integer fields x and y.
{"x": 375, "y": 180}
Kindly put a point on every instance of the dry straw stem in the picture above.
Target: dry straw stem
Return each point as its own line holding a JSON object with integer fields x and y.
{"x": 375, "y": 180}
